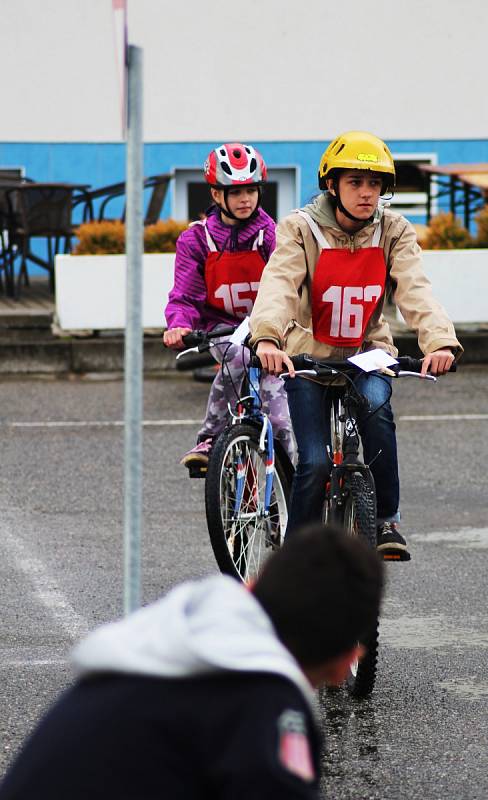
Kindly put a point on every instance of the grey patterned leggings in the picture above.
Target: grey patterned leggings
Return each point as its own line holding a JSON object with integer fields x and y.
{"x": 226, "y": 387}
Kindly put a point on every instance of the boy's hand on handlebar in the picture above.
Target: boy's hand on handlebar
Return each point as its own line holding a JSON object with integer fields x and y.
{"x": 438, "y": 362}
{"x": 173, "y": 337}
{"x": 274, "y": 360}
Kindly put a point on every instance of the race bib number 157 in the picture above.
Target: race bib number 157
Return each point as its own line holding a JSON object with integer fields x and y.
{"x": 234, "y": 297}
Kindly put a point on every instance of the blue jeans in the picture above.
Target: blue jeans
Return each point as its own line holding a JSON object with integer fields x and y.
{"x": 310, "y": 406}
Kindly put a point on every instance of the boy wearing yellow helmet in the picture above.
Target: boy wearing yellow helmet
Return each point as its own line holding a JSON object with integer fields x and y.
{"x": 323, "y": 293}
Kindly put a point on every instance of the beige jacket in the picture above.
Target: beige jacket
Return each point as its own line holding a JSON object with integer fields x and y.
{"x": 282, "y": 311}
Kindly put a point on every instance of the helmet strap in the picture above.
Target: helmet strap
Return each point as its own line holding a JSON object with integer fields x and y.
{"x": 343, "y": 209}
{"x": 228, "y": 213}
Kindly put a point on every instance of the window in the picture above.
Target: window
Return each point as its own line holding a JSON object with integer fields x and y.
{"x": 191, "y": 195}
{"x": 410, "y": 196}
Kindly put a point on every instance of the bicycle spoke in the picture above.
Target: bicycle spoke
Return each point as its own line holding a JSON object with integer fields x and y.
{"x": 249, "y": 534}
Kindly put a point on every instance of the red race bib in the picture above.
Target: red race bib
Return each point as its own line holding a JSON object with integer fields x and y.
{"x": 232, "y": 281}
{"x": 346, "y": 289}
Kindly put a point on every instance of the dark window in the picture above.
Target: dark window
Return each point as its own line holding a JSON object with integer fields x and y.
{"x": 408, "y": 177}
{"x": 270, "y": 199}
{"x": 199, "y": 199}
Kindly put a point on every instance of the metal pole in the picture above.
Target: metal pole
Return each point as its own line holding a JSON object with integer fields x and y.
{"x": 133, "y": 338}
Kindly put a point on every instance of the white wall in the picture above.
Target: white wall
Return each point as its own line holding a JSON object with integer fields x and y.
{"x": 263, "y": 69}
{"x": 59, "y": 71}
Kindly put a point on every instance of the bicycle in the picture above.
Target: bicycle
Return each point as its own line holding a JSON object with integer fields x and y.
{"x": 350, "y": 493}
{"x": 248, "y": 477}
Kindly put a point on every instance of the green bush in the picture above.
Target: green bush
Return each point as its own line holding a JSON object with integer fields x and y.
{"x": 445, "y": 232}
{"x": 108, "y": 237}
{"x": 481, "y": 219}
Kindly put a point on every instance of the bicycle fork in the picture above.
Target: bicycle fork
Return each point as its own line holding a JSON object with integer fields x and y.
{"x": 244, "y": 467}
{"x": 266, "y": 446}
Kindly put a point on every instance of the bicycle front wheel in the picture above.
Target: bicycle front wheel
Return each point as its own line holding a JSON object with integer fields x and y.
{"x": 242, "y": 533}
{"x": 360, "y": 520}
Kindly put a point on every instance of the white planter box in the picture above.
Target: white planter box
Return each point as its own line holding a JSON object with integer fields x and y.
{"x": 90, "y": 291}
{"x": 460, "y": 282}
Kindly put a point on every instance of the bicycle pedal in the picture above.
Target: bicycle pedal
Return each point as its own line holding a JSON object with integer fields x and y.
{"x": 197, "y": 471}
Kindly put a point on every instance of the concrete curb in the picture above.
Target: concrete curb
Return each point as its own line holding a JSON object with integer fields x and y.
{"x": 79, "y": 356}
{"x": 105, "y": 354}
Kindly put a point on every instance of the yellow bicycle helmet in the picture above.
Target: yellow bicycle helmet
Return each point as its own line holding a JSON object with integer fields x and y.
{"x": 357, "y": 150}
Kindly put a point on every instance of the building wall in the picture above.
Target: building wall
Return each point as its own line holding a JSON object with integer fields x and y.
{"x": 265, "y": 70}
{"x": 100, "y": 164}
{"x": 283, "y": 75}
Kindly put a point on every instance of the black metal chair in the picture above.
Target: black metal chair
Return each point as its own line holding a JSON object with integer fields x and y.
{"x": 38, "y": 210}
{"x": 87, "y": 200}
{"x": 159, "y": 185}
{"x": 10, "y": 177}
{"x": 105, "y": 194}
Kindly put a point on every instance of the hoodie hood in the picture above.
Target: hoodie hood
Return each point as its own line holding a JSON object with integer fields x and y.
{"x": 322, "y": 211}
{"x": 199, "y": 628}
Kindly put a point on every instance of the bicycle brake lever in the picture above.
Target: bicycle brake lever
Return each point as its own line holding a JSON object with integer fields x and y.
{"x": 299, "y": 372}
{"x": 184, "y": 352}
{"x": 197, "y": 349}
{"x": 407, "y": 373}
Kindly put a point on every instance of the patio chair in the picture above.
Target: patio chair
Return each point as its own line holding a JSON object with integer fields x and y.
{"x": 105, "y": 194}
{"x": 39, "y": 210}
{"x": 10, "y": 177}
{"x": 159, "y": 185}
{"x": 87, "y": 199}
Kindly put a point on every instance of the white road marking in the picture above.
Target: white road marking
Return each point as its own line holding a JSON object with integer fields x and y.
{"x": 116, "y": 423}
{"x": 44, "y": 586}
{"x": 466, "y": 538}
{"x": 27, "y": 663}
{"x": 161, "y": 423}
{"x": 439, "y": 417}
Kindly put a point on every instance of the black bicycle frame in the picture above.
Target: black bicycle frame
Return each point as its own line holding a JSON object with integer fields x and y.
{"x": 348, "y": 460}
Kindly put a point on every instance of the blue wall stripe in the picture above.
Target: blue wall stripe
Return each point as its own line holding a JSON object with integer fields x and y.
{"x": 99, "y": 164}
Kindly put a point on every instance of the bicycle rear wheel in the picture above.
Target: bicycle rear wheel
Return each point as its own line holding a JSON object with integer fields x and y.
{"x": 360, "y": 520}
{"x": 241, "y": 535}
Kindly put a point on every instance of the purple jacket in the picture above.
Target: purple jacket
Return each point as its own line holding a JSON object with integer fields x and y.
{"x": 187, "y": 302}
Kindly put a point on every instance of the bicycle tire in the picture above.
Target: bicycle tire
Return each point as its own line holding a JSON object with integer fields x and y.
{"x": 241, "y": 542}
{"x": 360, "y": 520}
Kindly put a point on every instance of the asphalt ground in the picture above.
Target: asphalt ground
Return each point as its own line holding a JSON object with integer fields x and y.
{"x": 424, "y": 732}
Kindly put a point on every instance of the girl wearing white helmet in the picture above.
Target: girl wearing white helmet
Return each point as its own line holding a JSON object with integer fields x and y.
{"x": 323, "y": 293}
{"x": 218, "y": 266}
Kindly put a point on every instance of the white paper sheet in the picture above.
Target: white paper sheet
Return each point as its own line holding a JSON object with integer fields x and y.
{"x": 372, "y": 359}
{"x": 241, "y": 332}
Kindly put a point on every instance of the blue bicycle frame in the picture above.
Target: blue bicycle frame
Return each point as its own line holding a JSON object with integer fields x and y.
{"x": 265, "y": 441}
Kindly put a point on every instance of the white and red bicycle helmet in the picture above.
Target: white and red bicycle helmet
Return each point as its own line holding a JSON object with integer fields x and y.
{"x": 234, "y": 164}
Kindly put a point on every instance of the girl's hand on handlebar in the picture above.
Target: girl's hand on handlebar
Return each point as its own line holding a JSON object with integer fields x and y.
{"x": 274, "y": 360}
{"x": 438, "y": 362}
{"x": 174, "y": 337}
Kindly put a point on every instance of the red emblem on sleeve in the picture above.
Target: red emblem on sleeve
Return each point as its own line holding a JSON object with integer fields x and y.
{"x": 294, "y": 747}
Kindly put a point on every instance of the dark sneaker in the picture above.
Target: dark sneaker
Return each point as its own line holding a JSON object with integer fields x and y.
{"x": 391, "y": 544}
{"x": 196, "y": 460}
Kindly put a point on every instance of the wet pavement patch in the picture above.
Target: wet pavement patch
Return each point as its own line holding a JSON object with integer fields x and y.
{"x": 466, "y": 688}
{"x": 432, "y": 632}
{"x": 465, "y": 538}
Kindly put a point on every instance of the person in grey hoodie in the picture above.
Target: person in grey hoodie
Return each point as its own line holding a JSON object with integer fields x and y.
{"x": 208, "y": 693}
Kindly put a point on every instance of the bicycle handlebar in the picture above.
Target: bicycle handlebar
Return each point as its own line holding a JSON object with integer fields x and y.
{"x": 305, "y": 362}
{"x": 202, "y": 339}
